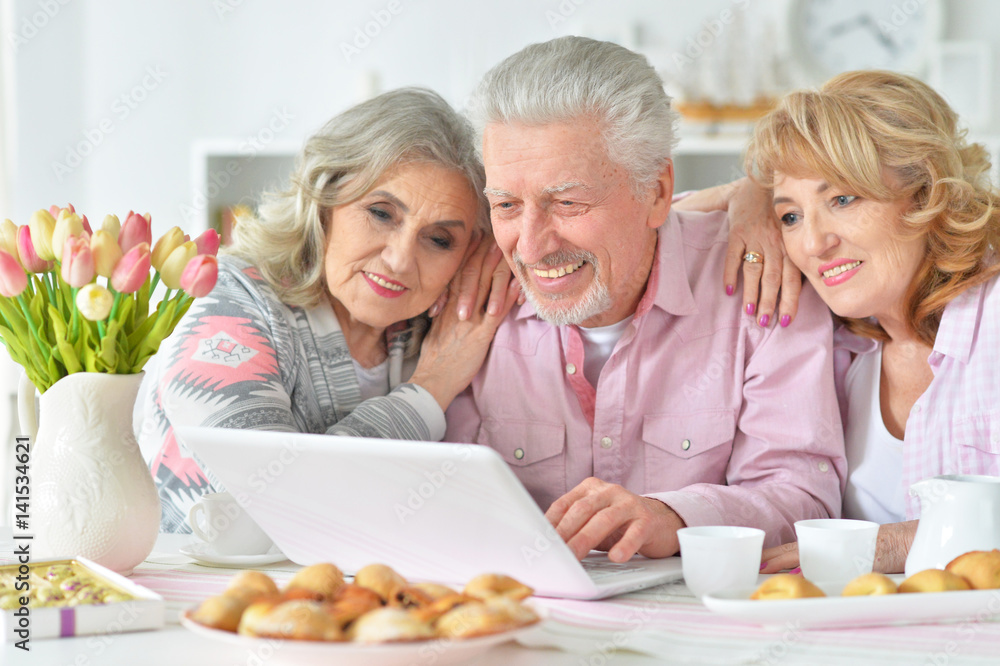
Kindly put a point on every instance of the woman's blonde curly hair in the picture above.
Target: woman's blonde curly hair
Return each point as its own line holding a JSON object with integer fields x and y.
{"x": 860, "y": 125}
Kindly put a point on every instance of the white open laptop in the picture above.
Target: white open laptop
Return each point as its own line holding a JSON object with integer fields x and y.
{"x": 432, "y": 511}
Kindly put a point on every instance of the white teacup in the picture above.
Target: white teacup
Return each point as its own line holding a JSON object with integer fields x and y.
{"x": 836, "y": 550}
{"x": 227, "y": 528}
{"x": 720, "y": 557}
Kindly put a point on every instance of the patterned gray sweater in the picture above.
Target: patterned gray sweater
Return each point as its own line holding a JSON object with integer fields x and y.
{"x": 240, "y": 358}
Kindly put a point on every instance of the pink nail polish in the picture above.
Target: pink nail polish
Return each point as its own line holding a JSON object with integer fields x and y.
{"x": 463, "y": 313}
{"x": 764, "y": 320}
{"x": 730, "y": 289}
{"x": 751, "y": 308}
{"x": 785, "y": 320}
{"x": 796, "y": 570}
{"x": 762, "y": 565}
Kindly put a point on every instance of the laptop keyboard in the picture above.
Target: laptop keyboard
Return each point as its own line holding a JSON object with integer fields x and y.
{"x": 602, "y": 568}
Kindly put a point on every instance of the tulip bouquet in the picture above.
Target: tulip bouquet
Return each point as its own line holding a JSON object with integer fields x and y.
{"x": 75, "y": 300}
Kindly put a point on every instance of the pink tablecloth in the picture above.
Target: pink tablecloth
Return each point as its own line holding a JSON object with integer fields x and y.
{"x": 667, "y": 620}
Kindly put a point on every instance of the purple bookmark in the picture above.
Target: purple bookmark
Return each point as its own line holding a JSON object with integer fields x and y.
{"x": 67, "y": 622}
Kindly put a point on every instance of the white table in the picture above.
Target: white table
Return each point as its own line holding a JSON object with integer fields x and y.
{"x": 666, "y": 622}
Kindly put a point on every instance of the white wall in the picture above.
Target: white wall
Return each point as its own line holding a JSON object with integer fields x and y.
{"x": 224, "y": 68}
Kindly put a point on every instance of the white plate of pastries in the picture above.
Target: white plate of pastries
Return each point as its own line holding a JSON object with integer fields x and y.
{"x": 966, "y": 587}
{"x": 379, "y": 619}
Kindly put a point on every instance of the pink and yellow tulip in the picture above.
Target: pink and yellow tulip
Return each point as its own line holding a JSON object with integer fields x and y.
{"x": 106, "y": 252}
{"x": 13, "y": 280}
{"x": 27, "y": 254}
{"x": 77, "y": 262}
{"x": 132, "y": 270}
{"x": 135, "y": 230}
{"x": 42, "y": 224}
{"x": 170, "y": 271}
{"x": 200, "y": 275}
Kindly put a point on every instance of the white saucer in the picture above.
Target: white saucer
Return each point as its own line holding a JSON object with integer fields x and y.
{"x": 203, "y": 553}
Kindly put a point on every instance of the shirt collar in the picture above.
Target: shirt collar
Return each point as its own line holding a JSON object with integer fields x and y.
{"x": 668, "y": 287}
{"x": 959, "y": 323}
{"x": 856, "y": 344}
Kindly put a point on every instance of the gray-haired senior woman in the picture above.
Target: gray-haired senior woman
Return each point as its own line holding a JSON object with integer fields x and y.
{"x": 317, "y": 323}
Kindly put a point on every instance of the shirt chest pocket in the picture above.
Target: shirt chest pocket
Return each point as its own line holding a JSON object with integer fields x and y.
{"x": 682, "y": 449}
{"x": 978, "y": 448}
{"x": 535, "y": 450}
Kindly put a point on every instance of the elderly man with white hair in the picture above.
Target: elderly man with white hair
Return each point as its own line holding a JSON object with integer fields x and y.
{"x": 629, "y": 394}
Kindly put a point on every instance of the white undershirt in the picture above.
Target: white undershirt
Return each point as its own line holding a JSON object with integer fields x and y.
{"x": 373, "y": 381}
{"x": 874, "y": 457}
{"x": 598, "y": 343}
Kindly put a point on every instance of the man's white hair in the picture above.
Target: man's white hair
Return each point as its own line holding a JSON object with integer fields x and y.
{"x": 572, "y": 77}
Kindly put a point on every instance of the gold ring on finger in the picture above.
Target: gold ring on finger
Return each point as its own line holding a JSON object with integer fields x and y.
{"x": 753, "y": 257}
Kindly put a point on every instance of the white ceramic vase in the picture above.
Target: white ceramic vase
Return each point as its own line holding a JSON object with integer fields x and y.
{"x": 92, "y": 494}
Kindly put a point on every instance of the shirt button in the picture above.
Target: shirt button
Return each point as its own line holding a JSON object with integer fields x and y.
{"x": 570, "y": 369}
{"x": 824, "y": 466}
{"x": 916, "y": 408}
{"x": 518, "y": 453}
{"x": 606, "y": 442}
{"x": 686, "y": 444}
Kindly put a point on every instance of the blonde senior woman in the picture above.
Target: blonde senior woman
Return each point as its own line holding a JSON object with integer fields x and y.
{"x": 888, "y": 211}
{"x": 318, "y": 320}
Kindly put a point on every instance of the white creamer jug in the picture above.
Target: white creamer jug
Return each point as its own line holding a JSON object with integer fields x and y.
{"x": 958, "y": 513}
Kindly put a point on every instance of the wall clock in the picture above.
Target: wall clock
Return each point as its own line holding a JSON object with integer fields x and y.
{"x": 831, "y": 36}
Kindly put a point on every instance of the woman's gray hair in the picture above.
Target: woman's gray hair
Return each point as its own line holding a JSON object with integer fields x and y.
{"x": 570, "y": 77}
{"x": 286, "y": 240}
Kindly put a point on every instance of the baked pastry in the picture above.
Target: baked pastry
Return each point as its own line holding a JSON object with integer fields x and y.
{"x": 252, "y": 614}
{"x": 410, "y": 597}
{"x": 390, "y": 625}
{"x": 432, "y": 611}
{"x": 319, "y": 582}
{"x": 869, "y": 584}
{"x": 516, "y": 612}
{"x": 475, "y": 618}
{"x": 351, "y": 602}
{"x": 221, "y": 612}
{"x": 434, "y": 590}
{"x": 299, "y": 620}
{"x": 252, "y": 584}
{"x": 786, "y": 586}
{"x": 981, "y": 568}
{"x": 933, "y": 580}
{"x": 381, "y": 579}
{"x": 497, "y": 585}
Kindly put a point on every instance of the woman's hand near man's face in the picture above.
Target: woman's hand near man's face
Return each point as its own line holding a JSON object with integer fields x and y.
{"x": 456, "y": 346}
{"x": 753, "y": 228}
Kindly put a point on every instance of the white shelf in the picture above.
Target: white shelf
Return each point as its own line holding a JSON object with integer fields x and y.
{"x": 700, "y": 144}
{"x": 227, "y": 172}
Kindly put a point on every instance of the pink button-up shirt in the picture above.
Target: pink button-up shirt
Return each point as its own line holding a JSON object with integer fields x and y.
{"x": 726, "y": 422}
{"x": 954, "y": 426}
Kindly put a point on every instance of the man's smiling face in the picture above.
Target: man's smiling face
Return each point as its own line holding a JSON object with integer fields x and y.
{"x": 568, "y": 221}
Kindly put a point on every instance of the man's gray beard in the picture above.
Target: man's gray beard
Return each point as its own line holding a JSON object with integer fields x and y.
{"x": 594, "y": 301}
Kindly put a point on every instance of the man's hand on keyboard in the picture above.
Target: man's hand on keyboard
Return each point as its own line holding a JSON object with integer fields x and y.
{"x": 605, "y": 516}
